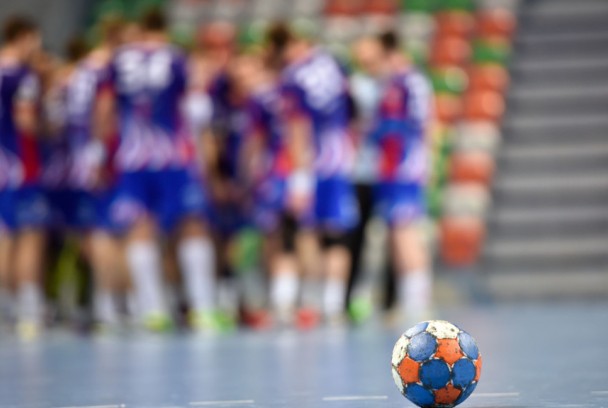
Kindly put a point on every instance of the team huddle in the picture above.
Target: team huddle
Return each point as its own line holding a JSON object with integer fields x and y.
{"x": 156, "y": 160}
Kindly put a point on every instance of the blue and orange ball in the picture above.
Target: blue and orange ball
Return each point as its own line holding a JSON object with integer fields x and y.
{"x": 436, "y": 364}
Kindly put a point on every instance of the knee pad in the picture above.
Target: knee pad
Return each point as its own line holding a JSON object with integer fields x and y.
{"x": 333, "y": 239}
{"x": 288, "y": 230}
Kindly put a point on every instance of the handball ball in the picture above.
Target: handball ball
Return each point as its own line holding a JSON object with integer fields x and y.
{"x": 436, "y": 364}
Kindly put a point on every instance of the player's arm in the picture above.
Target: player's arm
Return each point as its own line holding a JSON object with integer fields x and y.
{"x": 26, "y": 107}
{"x": 300, "y": 148}
{"x": 252, "y": 153}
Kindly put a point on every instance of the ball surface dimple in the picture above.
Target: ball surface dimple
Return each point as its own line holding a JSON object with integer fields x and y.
{"x": 436, "y": 364}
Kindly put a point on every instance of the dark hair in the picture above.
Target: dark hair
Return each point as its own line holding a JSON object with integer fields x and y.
{"x": 153, "y": 20}
{"x": 17, "y": 27}
{"x": 389, "y": 41}
{"x": 76, "y": 48}
{"x": 278, "y": 36}
{"x": 111, "y": 28}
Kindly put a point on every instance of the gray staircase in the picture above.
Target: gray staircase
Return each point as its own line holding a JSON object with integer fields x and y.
{"x": 548, "y": 228}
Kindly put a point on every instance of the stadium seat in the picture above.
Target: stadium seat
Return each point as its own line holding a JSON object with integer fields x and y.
{"x": 496, "y": 23}
{"x": 461, "y": 240}
{"x": 484, "y": 106}
{"x": 420, "y": 6}
{"x": 455, "y": 23}
{"x": 488, "y": 77}
{"x": 465, "y": 5}
{"x": 466, "y": 199}
{"x": 491, "y": 50}
{"x": 343, "y": 7}
{"x": 477, "y": 136}
{"x": 385, "y": 7}
{"x": 450, "y": 79}
{"x": 448, "y": 107}
{"x": 450, "y": 51}
{"x": 472, "y": 166}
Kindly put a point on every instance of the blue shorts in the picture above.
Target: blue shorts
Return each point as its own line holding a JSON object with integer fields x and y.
{"x": 167, "y": 195}
{"x": 80, "y": 209}
{"x": 24, "y": 207}
{"x": 335, "y": 206}
{"x": 269, "y": 204}
{"x": 400, "y": 203}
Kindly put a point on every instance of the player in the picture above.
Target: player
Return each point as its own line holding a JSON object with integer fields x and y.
{"x": 159, "y": 185}
{"x": 85, "y": 208}
{"x": 23, "y": 207}
{"x": 314, "y": 92}
{"x": 400, "y": 135}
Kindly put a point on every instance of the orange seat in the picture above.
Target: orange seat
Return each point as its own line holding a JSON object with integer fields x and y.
{"x": 448, "y": 107}
{"x": 450, "y": 50}
{"x": 343, "y": 7}
{"x": 461, "y": 240}
{"x": 484, "y": 105}
{"x": 389, "y": 7}
{"x": 455, "y": 23}
{"x": 496, "y": 23}
{"x": 488, "y": 77}
{"x": 472, "y": 166}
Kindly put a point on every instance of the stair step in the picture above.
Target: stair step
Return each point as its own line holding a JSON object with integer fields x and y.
{"x": 531, "y": 198}
{"x": 565, "y": 248}
{"x": 566, "y": 184}
{"x": 563, "y": 151}
{"x": 569, "y": 106}
{"x": 560, "y": 65}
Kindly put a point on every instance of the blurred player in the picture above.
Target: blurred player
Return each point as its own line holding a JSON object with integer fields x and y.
{"x": 400, "y": 135}
{"x": 159, "y": 185}
{"x": 23, "y": 207}
{"x": 85, "y": 207}
{"x": 314, "y": 92}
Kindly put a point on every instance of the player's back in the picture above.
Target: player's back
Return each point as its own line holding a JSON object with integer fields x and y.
{"x": 319, "y": 86}
{"x": 16, "y": 82}
{"x": 149, "y": 81}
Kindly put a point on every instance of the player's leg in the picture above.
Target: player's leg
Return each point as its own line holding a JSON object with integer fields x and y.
{"x": 284, "y": 271}
{"x": 405, "y": 208}
{"x": 27, "y": 265}
{"x": 105, "y": 261}
{"x": 31, "y": 215}
{"x": 6, "y": 293}
{"x": 338, "y": 214}
{"x": 183, "y": 210}
{"x": 131, "y": 212}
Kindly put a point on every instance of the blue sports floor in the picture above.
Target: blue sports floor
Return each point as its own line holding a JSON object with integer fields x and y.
{"x": 535, "y": 355}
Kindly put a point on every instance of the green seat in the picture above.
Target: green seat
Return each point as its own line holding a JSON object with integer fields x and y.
{"x": 491, "y": 51}
{"x": 451, "y": 80}
{"x": 465, "y": 5}
{"x": 109, "y": 7}
{"x": 419, "y": 6}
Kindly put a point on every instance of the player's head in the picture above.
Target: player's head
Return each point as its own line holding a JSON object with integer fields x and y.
{"x": 369, "y": 55}
{"x": 76, "y": 49}
{"x": 393, "y": 51}
{"x": 112, "y": 30}
{"x": 291, "y": 42}
{"x": 153, "y": 22}
{"x": 22, "y": 34}
{"x": 245, "y": 69}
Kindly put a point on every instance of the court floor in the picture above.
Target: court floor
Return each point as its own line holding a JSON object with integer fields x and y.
{"x": 535, "y": 355}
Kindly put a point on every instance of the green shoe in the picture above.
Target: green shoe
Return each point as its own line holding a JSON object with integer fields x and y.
{"x": 158, "y": 323}
{"x": 215, "y": 321}
{"x": 360, "y": 310}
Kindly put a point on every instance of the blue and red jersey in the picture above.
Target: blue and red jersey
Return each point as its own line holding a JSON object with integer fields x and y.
{"x": 316, "y": 89}
{"x": 229, "y": 121}
{"x": 264, "y": 117}
{"x": 399, "y": 133}
{"x": 150, "y": 84}
{"x": 20, "y": 160}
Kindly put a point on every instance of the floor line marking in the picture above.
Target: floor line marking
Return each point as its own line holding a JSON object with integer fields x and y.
{"x": 496, "y": 394}
{"x": 599, "y": 392}
{"x": 355, "y": 398}
{"x": 97, "y": 406}
{"x": 227, "y": 402}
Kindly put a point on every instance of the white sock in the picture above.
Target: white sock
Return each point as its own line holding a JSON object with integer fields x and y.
{"x": 284, "y": 291}
{"x": 29, "y": 303}
{"x": 145, "y": 264}
{"x": 197, "y": 261}
{"x": 104, "y": 306}
{"x": 414, "y": 291}
{"x": 334, "y": 297}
